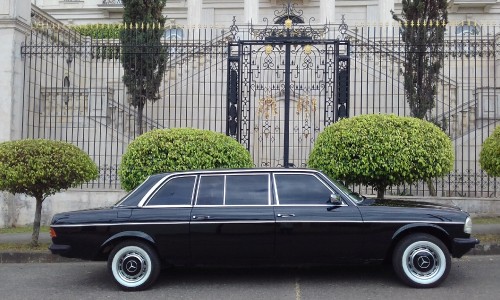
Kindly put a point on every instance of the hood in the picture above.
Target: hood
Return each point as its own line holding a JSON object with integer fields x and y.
{"x": 407, "y": 203}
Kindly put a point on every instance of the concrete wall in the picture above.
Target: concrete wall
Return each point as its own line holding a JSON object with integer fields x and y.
{"x": 19, "y": 210}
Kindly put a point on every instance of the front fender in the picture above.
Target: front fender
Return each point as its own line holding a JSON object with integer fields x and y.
{"x": 433, "y": 229}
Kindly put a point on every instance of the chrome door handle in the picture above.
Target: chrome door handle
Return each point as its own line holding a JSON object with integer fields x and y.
{"x": 201, "y": 217}
{"x": 285, "y": 215}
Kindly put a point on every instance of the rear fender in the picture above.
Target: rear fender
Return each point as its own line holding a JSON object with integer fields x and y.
{"x": 126, "y": 235}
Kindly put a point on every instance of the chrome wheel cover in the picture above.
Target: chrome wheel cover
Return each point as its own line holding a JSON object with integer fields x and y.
{"x": 424, "y": 262}
{"x": 131, "y": 266}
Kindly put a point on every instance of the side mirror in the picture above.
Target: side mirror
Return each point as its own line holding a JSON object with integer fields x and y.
{"x": 335, "y": 199}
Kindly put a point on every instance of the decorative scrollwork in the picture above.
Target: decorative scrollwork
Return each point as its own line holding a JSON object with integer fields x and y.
{"x": 267, "y": 107}
{"x": 306, "y": 105}
{"x": 285, "y": 25}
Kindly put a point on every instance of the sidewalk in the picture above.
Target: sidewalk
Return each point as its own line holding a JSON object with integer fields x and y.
{"x": 46, "y": 256}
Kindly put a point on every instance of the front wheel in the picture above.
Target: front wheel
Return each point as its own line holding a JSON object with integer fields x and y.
{"x": 421, "y": 260}
{"x": 134, "y": 265}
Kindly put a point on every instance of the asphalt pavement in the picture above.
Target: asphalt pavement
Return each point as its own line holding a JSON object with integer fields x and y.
{"x": 45, "y": 256}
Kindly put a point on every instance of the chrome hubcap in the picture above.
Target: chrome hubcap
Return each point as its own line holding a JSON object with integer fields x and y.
{"x": 132, "y": 267}
{"x": 423, "y": 263}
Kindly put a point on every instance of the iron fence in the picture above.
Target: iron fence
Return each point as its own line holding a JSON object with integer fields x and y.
{"x": 73, "y": 91}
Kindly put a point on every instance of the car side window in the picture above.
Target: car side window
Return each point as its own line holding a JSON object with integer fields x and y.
{"x": 211, "y": 190}
{"x": 298, "y": 189}
{"x": 247, "y": 189}
{"x": 176, "y": 191}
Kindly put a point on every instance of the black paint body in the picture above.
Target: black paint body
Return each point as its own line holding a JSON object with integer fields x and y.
{"x": 355, "y": 231}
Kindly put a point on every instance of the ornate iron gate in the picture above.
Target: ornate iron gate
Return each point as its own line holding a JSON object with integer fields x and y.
{"x": 284, "y": 87}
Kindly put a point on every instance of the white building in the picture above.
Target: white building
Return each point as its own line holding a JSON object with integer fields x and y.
{"x": 221, "y": 12}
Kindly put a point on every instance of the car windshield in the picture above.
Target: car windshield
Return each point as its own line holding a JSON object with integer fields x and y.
{"x": 353, "y": 195}
{"x": 135, "y": 196}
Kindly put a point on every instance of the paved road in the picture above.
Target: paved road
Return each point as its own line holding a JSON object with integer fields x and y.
{"x": 473, "y": 277}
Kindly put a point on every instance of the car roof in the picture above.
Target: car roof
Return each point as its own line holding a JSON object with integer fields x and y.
{"x": 246, "y": 170}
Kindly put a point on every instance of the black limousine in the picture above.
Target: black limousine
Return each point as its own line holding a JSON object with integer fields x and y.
{"x": 261, "y": 217}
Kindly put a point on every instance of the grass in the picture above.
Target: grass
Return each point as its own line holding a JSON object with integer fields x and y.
{"x": 486, "y": 220}
{"x": 22, "y": 229}
{"x": 26, "y": 247}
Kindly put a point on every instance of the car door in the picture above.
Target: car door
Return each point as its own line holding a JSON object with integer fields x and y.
{"x": 232, "y": 221}
{"x": 165, "y": 217}
{"x": 309, "y": 228}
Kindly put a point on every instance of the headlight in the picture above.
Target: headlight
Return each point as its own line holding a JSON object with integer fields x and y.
{"x": 468, "y": 225}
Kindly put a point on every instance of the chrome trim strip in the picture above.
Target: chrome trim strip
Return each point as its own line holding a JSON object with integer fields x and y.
{"x": 232, "y": 222}
{"x": 224, "y": 192}
{"x": 250, "y": 221}
{"x": 365, "y": 222}
{"x": 121, "y": 224}
{"x": 166, "y": 206}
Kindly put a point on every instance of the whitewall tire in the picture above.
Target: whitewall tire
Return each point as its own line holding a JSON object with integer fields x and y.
{"x": 134, "y": 265}
{"x": 421, "y": 260}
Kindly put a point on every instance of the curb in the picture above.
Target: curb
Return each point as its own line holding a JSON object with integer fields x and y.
{"x": 485, "y": 249}
{"x": 47, "y": 257}
{"x": 33, "y": 257}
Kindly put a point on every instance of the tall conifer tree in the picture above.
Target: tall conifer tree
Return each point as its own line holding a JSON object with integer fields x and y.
{"x": 143, "y": 56}
{"x": 422, "y": 29}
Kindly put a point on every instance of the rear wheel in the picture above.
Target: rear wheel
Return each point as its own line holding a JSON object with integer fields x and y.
{"x": 421, "y": 260}
{"x": 134, "y": 265}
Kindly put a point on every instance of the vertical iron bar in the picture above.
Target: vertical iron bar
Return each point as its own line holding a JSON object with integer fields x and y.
{"x": 286, "y": 139}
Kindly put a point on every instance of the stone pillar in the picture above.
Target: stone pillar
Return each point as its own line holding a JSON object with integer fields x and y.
{"x": 252, "y": 11}
{"x": 194, "y": 12}
{"x": 327, "y": 11}
{"x": 384, "y": 11}
{"x": 14, "y": 24}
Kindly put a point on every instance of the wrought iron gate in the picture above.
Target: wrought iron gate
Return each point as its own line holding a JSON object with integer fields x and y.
{"x": 284, "y": 87}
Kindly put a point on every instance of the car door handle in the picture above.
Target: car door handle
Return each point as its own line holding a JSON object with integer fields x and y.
{"x": 285, "y": 215}
{"x": 201, "y": 217}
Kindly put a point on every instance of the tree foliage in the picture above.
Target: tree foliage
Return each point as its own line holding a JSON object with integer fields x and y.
{"x": 178, "y": 149}
{"x": 99, "y": 31}
{"x": 489, "y": 158}
{"x": 422, "y": 31}
{"x": 40, "y": 168}
{"x": 143, "y": 56}
{"x": 382, "y": 150}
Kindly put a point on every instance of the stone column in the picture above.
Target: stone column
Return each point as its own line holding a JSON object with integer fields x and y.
{"x": 384, "y": 11}
{"x": 14, "y": 24}
{"x": 327, "y": 11}
{"x": 252, "y": 11}
{"x": 194, "y": 12}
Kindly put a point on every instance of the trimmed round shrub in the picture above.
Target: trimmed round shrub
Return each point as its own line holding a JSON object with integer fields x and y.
{"x": 40, "y": 168}
{"x": 179, "y": 149}
{"x": 382, "y": 150}
{"x": 489, "y": 158}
